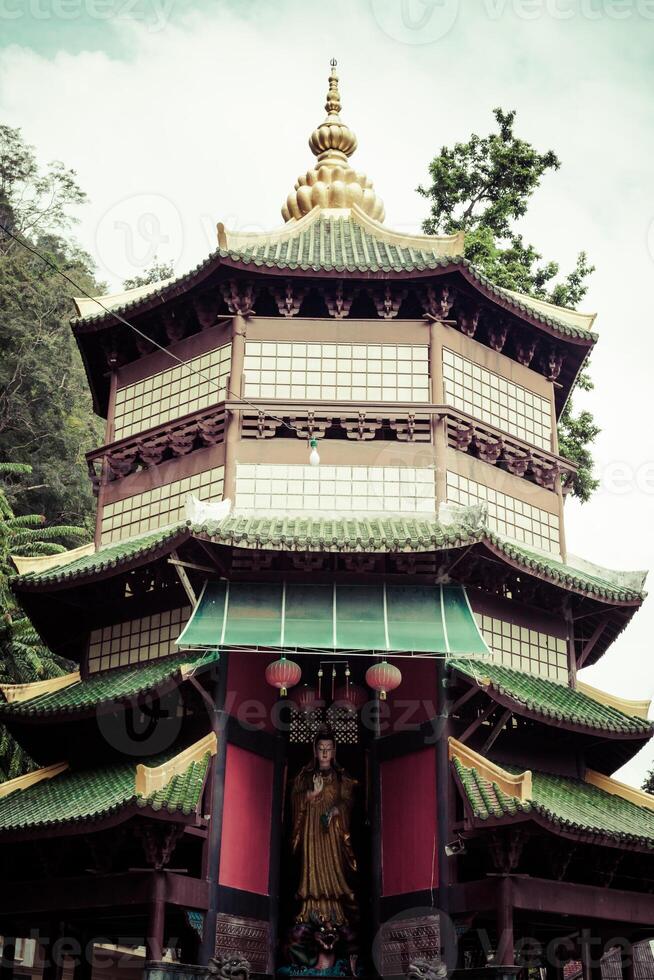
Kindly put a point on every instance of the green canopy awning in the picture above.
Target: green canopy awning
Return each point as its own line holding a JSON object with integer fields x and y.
{"x": 413, "y": 619}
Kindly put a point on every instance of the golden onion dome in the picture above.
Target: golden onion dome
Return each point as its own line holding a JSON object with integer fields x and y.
{"x": 332, "y": 183}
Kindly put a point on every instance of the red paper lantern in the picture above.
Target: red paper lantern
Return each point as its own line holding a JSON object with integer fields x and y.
{"x": 350, "y": 696}
{"x": 306, "y": 698}
{"x": 383, "y": 677}
{"x": 283, "y": 674}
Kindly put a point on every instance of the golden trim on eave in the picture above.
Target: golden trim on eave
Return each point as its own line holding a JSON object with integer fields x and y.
{"x": 637, "y": 709}
{"x": 636, "y": 796}
{"x": 512, "y": 784}
{"x": 25, "y": 692}
{"x": 149, "y": 780}
{"x": 31, "y": 779}
{"x": 45, "y": 562}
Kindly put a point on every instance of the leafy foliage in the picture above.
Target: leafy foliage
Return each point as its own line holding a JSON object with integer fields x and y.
{"x": 483, "y": 187}
{"x": 648, "y": 784}
{"x": 23, "y": 657}
{"x": 157, "y": 272}
{"x": 45, "y": 409}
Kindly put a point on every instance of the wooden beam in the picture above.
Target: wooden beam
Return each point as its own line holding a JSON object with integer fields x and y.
{"x": 472, "y": 691}
{"x": 495, "y": 734}
{"x": 471, "y": 729}
{"x": 591, "y": 643}
{"x": 125, "y": 889}
{"x": 180, "y": 568}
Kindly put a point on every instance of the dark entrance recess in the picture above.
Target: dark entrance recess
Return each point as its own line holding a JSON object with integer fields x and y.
{"x": 345, "y": 708}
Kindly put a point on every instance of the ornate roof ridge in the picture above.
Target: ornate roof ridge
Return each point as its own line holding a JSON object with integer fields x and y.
{"x": 439, "y": 245}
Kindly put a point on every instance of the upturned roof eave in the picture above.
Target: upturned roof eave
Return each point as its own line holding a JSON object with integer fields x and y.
{"x": 570, "y": 580}
{"x": 518, "y": 707}
{"x": 435, "y": 266}
{"x": 533, "y": 813}
{"x": 98, "y": 822}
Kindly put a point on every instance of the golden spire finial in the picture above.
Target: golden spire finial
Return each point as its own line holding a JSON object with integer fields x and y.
{"x": 333, "y": 183}
{"x": 333, "y": 103}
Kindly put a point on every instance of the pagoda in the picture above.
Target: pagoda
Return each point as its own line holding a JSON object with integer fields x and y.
{"x": 326, "y": 716}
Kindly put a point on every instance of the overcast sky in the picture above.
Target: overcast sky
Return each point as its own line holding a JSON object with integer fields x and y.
{"x": 178, "y": 114}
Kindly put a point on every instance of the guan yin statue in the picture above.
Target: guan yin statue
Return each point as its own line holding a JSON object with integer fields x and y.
{"x": 323, "y": 937}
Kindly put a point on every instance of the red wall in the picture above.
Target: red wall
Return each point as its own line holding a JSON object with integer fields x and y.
{"x": 245, "y": 847}
{"x": 249, "y": 696}
{"x": 409, "y": 825}
{"x": 415, "y": 700}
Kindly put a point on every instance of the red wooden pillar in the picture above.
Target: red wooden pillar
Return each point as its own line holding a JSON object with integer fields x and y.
{"x": 505, "y": 953}
{"x": 154, "y": 941}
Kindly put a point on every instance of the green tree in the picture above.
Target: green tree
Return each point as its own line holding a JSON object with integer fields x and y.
{"x": 23, "y": 656}
{"x": 483, "y": 187}
{"x": 46, "y": 414}
{"x": 648, "y": 784}
{"x": 157, "y": 272}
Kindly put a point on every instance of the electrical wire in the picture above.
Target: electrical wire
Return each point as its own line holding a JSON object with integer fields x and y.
{"x": 121, "y": 319}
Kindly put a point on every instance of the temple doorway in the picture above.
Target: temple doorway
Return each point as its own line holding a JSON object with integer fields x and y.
{"x": 325, "y": 913}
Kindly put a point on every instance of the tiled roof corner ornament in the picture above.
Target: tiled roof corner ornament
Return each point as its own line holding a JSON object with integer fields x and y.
{"x": 473, "y": 516}
{"x": 333, "y": 183}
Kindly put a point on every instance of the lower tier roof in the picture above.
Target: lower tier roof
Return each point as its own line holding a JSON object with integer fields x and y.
{"x": 110, "y": 686}
{"x": 550, "y": 700}
{"x": 392, "y": 534}
{"x": 616, "y": 816}
{"x": 171, "y": 783}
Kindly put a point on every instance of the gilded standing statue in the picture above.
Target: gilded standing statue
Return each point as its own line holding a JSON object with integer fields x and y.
{"x": 322, "y": 806}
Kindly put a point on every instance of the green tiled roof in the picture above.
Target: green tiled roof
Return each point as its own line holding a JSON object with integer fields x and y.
{"x": 113, "y": 685}
{"x": 553, "y": 700}
{"x": 92, "y": 795}
{"x": 568, "y": 804}
{"x": 356, "y": 534}
{"x": 340, "y": 244}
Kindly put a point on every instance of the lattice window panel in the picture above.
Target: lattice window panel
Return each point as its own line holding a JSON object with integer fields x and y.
{"x": 490, "y": 398}
{"x": 345, "y": 725}
{"x": 305, "y": 724}
{"x": 158, "y": 507}
{"x": 335, "y": 489}
{"x": 137, "y": 640}
{"x": 173, "y": 393}
{"x": 342, "y": 372}
{"x": 525, "y": 649}
{"x": 510, "y": 517}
